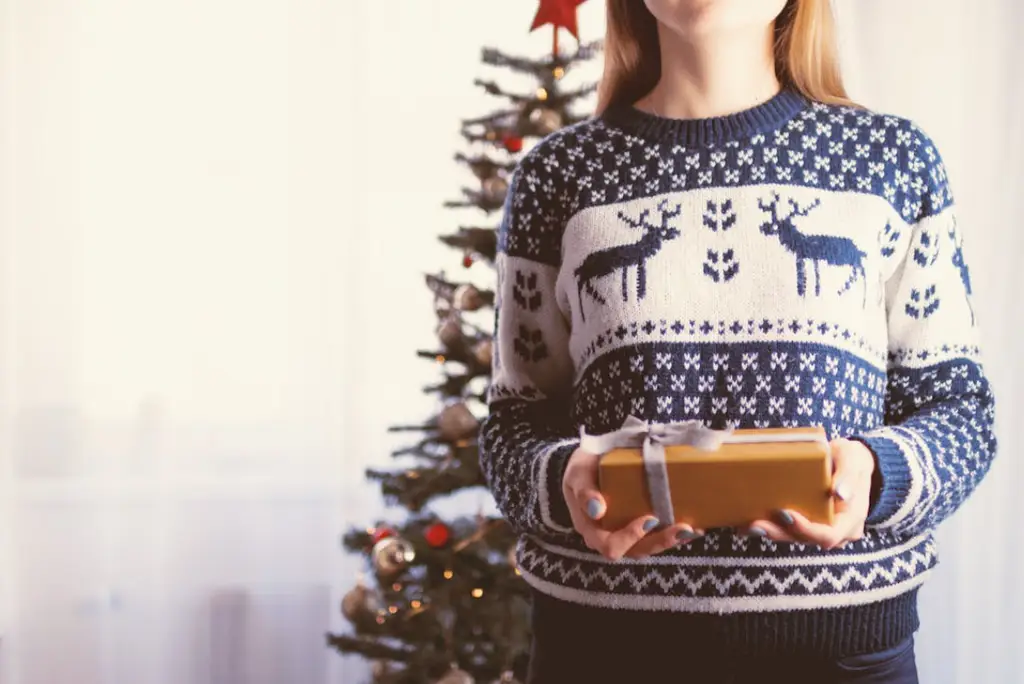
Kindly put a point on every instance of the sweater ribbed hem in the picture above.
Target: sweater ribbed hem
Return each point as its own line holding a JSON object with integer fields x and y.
{"x": 762, "y": 118}
{"x": 558, "y": 460}
{"x": 826, "y": 633}
{"x": 894, "y": 478}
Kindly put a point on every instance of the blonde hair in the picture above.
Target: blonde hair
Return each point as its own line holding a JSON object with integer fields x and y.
{"x": 806, "y": 53}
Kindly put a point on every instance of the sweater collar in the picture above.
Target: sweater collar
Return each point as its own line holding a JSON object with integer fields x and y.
{"x": 761, "y": 118}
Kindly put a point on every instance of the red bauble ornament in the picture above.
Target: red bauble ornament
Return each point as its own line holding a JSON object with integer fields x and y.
{"x": 513, "y": 143}
{"x": 467, "y": 260}
{"x": 437, "y": 535}
{"x": 382, "y": 533}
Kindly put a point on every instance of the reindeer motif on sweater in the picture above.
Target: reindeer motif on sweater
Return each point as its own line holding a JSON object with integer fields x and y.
{"x": 623, "y": 257}
{"x": 817, "y": 249}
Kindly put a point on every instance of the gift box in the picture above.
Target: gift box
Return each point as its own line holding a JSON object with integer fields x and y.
{"x": 687, "y": 473}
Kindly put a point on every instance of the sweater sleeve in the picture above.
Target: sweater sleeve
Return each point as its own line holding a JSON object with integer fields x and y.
{"x": 938, "y": 440}
{"x": 527, "y": 437}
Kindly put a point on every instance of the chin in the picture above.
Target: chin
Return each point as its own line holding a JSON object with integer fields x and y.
{"x": 701, "y": 17}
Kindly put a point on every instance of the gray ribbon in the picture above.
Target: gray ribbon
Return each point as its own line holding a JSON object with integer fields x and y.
{"x": 652, "y": 438}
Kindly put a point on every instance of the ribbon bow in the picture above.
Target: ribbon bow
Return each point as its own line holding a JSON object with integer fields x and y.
{"x": 652, "y": 438}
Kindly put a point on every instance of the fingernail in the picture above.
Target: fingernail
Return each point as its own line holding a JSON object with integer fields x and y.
{"x": 786, "y": 517}
{"x": 650, "y": 524}
{"x": 685, "y": 535}
{"x": 841, "y": 492}
{"x": 594, "y": 508}
{"x": 757, "y": 532}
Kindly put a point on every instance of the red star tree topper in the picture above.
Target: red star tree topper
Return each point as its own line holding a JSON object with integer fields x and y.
{"x": 560, "y": 14}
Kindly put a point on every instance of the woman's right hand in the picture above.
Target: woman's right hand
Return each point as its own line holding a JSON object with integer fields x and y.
{"x": 586, "y": 506}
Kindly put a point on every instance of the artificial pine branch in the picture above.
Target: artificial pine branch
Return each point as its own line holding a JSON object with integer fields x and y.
{"x": 415, "y": 491}
{"x": 370, "y": 648}
{"x": 478, "y": 200}
{"x": 482, "y": 241}
{"x": 446, "y": 289}
{"x": 455, "y": 386}
{"x": 483, "y": 166}
{"x": 538, "y": 68}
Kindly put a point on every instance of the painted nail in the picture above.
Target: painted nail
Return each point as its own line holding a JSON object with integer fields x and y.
{"x": 757, "y": 532}
{"x": 594, "y": 508}
{"x": 685, "y": 535}
{"x": 650, "y": 524}
{"x": 786, "y": 517}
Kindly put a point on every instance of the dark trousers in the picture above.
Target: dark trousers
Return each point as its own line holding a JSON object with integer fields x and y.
{"x": 573, "y": 644}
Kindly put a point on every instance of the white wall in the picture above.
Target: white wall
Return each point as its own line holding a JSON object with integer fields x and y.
{"x": 214, "y": 221}
{"x": 214, "y": 218}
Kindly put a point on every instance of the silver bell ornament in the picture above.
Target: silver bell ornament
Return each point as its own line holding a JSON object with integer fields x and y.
{"x": 391, "y": 555}
{"x": 456, "y": 421}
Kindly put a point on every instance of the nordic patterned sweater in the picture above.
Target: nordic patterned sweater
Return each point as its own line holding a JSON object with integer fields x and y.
{"x": 793, "y": 264}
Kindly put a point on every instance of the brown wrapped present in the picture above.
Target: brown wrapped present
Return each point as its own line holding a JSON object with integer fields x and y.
{"x": 687, "y": 473}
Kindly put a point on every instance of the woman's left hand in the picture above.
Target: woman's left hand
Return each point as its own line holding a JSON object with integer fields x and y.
{"x": 852, "y": 467}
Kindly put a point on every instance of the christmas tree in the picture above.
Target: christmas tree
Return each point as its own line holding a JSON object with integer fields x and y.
{"x": 446, "y": 603}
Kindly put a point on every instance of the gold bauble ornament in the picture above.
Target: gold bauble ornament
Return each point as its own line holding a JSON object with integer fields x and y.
{"x": 494, "y": 189}
{"x": 359, "y": 603}
{"x": 507, "y": 678}
{"x": 467, "y": 298}
{"x": 483, "y": 352}
{"x": 391, "y": 555}
{"x": 546, "y": 120}
{"x": 456, "y": 676}
{"x": 449, "y": 331}
{"x": 456, "y": 421}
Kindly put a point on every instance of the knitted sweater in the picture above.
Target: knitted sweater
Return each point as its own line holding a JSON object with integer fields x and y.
{"x": 794, "y": 264}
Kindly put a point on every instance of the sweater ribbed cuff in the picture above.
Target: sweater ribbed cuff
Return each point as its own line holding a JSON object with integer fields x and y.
{"x": 554, "y": 511}
{"x": 891, "y": 482}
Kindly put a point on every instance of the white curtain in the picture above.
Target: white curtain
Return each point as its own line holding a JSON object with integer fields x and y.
{"x": 214, "y": 217}
{"x": 956, "y": 69}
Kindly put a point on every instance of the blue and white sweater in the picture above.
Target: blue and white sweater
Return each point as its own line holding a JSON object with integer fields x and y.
{"x": 794, "y": 264}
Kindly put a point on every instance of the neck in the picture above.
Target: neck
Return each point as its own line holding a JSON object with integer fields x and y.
{"x": 714, "y": 75}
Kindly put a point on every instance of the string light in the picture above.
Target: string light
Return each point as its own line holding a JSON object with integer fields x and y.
{"x": 559, "y": 72}
{"x": 396, "y": 587}
{"x": 392, "y": 609}
{"x": 415, "y": 604}
{"x": 477, "y": 593}
{"x": 542, "y": 94}
{"x": 448, "y": 574}
{"x": 380, "y": 619}
{"x": 517, "y": 571}
{"x": 440, "y": 358}
{"x": 411, "y": 474}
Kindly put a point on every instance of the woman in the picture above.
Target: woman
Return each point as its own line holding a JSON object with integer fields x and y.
{"x": 731, "y": 241}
